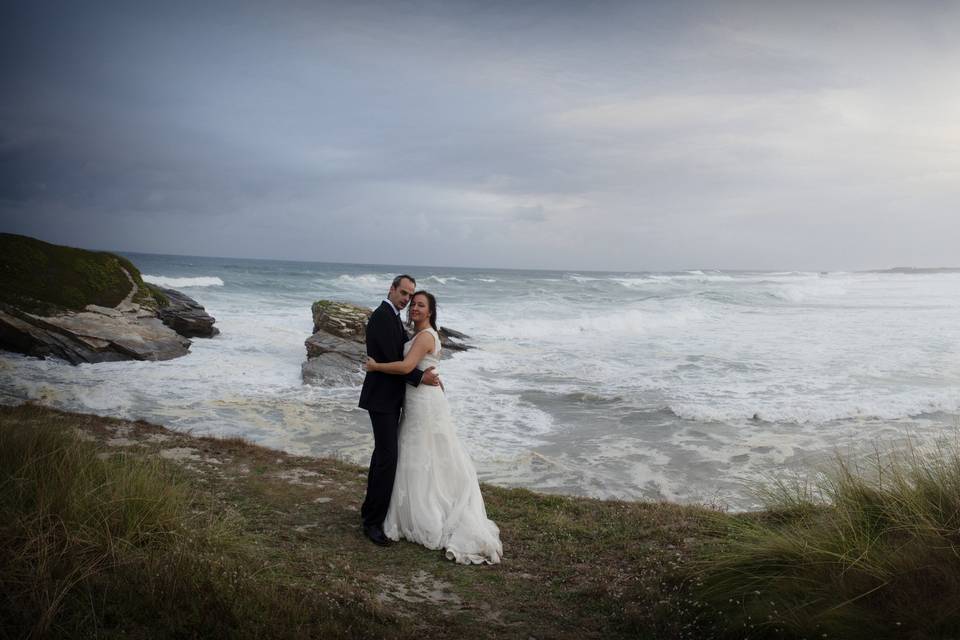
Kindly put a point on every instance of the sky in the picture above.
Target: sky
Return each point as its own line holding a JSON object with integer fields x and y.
{"x": 562, "y": 135}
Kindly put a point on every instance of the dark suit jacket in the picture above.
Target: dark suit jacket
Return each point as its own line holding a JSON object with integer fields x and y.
{"x": 385, "y": 340}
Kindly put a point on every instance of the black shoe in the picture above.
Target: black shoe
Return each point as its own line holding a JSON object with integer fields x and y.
{"x": 377, "y": 536}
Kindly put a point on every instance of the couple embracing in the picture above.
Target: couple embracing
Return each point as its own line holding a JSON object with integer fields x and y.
{"x": 422, "y": 485}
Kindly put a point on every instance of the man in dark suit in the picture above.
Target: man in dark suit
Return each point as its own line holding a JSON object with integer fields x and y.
{"x": 382, "y": 396}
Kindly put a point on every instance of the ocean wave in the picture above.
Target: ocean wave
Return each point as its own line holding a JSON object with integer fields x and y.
{"x": 182, "y": 283}
{"x": 804, "y": 413}
{"x": 624, "y": 322}
{"x": 631, "y": 282}
{"x": 585, "y": 398}
{"x": 693, "y": 277}
{"x": 365, "y": 280}
{"x": 442, "y": 280}
{"x": 802, "y": 292}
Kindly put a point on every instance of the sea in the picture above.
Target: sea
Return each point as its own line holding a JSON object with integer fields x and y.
{"x": 695, "y": 386}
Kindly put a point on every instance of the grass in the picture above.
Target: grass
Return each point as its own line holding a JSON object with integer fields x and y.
{"x": 869, "y": 549}
{"x": 159, "y": 296}
{"x": 112, "y": 541}
{"x": 118, "y": 545}
{"x": 44, "y": 279}
{"x": 102, "y": 536}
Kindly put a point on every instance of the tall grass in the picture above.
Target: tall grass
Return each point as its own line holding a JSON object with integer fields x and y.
{"x": 869, "y": 549}
{"x": 99, "y": 545}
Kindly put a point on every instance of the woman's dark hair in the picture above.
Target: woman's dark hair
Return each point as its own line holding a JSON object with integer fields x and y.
{"x": 431, "y": 305}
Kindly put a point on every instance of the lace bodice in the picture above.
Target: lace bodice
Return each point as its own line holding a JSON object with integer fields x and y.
{"x": 431, "y": 359}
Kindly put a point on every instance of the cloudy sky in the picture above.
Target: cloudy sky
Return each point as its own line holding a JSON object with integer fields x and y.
{"x": 578, "y": 135}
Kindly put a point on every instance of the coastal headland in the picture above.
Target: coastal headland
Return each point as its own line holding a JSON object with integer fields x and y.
{"x": 89, "y": 306}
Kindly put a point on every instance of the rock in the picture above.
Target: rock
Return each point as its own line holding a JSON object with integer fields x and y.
{"x": 185, "y": 315}
{"x": 321, "y": 343}
{"x": 331, "y": 370}
{"x": 333, "y": 361}
{"x": 337, "y": 349}
{"x": 450, "y": 340}
{"x": 91, "y": 336}
{"x": 340, "y": 319}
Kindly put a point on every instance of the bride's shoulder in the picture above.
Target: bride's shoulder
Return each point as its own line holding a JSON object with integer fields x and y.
{"x": 430, "y": 338}
{"x": 426, "y": 336}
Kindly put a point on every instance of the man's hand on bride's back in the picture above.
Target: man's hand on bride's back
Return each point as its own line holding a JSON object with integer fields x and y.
{"x": 430, "y": 377}
{"x": 371, "y": 364}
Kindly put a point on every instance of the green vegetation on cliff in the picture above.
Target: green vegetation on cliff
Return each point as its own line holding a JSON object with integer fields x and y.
{"x": 43, "y": 278}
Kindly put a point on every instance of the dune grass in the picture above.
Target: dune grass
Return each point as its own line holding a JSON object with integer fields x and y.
{"x": 106, "y": 537}
{"x": 95, "y": 545}
{"x": 868, "y": 549}
{"x": 101, "y": 540}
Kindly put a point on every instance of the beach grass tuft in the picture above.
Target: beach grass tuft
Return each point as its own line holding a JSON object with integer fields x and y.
{"x": 867, "y": 549}
{"x": 104, "y": 533}
{"x": 94, "y": 544}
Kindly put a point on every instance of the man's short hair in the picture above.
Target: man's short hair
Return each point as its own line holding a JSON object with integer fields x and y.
{"x": 398, "y": 279}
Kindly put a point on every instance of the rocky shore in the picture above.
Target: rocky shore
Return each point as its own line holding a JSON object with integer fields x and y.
{"x": 89, "y": 306}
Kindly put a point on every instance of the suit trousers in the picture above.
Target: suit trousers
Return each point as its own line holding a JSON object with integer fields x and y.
{"x": 383, "y": 467}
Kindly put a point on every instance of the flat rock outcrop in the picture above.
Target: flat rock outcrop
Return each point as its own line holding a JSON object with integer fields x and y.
{"x": 96, "y": 334}
{"x": 337, "y": 349}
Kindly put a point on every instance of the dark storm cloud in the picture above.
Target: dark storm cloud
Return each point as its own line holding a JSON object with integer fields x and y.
{"x": 617, "y": 135}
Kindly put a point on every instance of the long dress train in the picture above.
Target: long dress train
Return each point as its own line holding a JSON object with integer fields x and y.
{"x": 436, "y": 497}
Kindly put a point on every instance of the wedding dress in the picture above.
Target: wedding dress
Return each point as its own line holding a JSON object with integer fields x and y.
{"x": 436, "y": 497}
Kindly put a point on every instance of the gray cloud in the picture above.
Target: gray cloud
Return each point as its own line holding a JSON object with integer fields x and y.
{"x": 616, "y": 135}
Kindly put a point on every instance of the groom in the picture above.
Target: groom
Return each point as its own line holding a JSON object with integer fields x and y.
{"x": 382, "y": 396}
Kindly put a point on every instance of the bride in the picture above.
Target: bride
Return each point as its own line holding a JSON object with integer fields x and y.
{"x": 436, "y": 497}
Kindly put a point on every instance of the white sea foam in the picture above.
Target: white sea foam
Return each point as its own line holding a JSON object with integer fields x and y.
{"x": 365, "y": 280}
{"x": 692, "y": 277}
{"x": 817, "y": 289}
{"x": 631, "y": 282}
{"x": 443, "y": 280}
{"x": 183, "y": 283}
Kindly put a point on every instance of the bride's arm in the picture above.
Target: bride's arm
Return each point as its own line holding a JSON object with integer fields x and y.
{"x": 422, "y": 345}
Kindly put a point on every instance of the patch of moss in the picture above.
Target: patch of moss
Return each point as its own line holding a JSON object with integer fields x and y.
{"x": 327, "y": 306}
{"x": 43, "y": 278}
{"x": 159, "y": 297}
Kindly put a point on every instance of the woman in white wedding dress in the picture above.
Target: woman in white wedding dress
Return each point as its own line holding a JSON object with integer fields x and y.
{"x": 436, "y": 497}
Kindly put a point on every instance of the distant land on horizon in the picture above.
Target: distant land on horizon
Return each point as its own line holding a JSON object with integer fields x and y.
{"x": 898, "y": 269}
